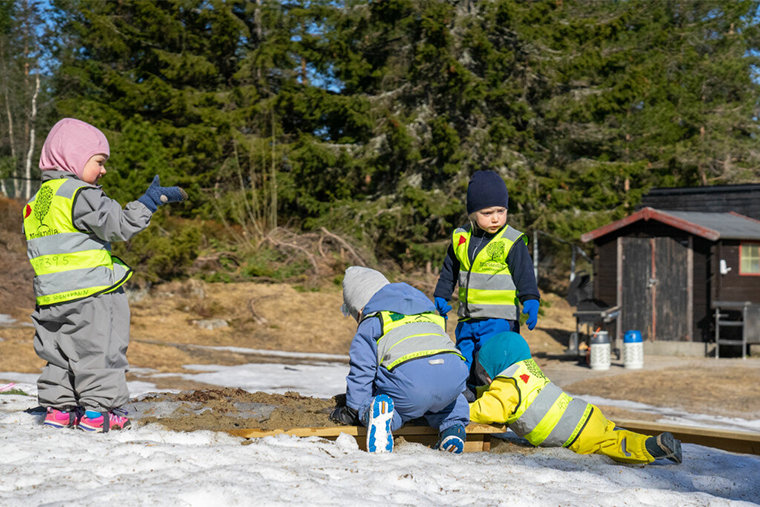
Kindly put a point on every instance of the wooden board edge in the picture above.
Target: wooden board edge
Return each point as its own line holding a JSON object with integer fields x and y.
{"x": 334, "y": 431}
{"x": 479, "y": 435}
{"x": 742, "y": 442}
{"x": 648, "y": 427}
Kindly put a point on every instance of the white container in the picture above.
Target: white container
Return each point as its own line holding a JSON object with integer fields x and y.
{"x": 599, "y": 354}
{"x": 633, "y": 350}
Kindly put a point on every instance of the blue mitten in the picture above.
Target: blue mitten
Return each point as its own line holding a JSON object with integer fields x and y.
{"x": 156, "y": 195}
{"x": 442, "y": 306}
{"x": 531, "y": 308}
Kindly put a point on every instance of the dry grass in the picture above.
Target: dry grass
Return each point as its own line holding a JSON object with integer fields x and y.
{"x": 732, "y": 391}
{"x": 274, "y": 317}
{"x": 16, "y": 274}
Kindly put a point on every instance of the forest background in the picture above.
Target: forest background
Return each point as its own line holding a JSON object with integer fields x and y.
{"x": 311, "y": 135}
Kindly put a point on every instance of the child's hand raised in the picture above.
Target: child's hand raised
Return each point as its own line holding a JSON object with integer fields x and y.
{"x": 156, "y": 195}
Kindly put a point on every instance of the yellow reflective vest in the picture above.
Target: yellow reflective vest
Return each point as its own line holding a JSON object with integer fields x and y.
{"x": 534, "y": 408}
{"x": 407, "y": 337}
{"x": 69, "y": 264}
{"x": 486, "y": 287}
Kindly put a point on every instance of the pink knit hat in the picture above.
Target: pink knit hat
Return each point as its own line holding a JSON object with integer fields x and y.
{"x": 70, "y": 144}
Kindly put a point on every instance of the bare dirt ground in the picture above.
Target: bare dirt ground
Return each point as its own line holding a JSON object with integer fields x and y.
{"x": 170, "y": 321}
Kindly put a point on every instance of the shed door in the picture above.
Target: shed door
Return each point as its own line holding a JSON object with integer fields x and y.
{"x": 654, "y": 287}
{"x": 671, "y": 298}
{"x": 636, "y": 310}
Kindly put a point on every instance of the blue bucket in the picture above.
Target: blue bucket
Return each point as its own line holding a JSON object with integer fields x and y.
{"x": 632, "y": 337}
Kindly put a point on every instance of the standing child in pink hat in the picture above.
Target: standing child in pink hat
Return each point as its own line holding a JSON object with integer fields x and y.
{"x": 82, "y": 315}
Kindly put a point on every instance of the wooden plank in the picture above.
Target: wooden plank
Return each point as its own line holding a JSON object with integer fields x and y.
{"x": 334, "y": 431}
{"x": 690, "y": 290}
{"x": 478, "y": 435}
{"x": 619, "y": 291}
{"x": 653, "y": 288}
{"x": 743, "y": 442}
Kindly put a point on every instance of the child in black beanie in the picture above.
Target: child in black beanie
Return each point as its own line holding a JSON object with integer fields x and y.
{"x": 491, "y": 263}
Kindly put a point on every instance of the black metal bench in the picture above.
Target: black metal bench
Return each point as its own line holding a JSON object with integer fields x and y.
{"x": 589, "y": 313}
{"x": 733, "y": 314}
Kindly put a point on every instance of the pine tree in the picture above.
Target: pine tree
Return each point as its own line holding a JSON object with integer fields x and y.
{"x": 369, "y": 117}
{"x": 646, "y": 94}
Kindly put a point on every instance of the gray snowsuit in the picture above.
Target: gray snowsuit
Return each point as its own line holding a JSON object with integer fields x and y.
{"x": 85, "y": 341}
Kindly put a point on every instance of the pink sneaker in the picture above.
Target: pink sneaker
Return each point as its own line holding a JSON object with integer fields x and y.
{"x": 61, "y": 419}
{"x": 95, "y": 422}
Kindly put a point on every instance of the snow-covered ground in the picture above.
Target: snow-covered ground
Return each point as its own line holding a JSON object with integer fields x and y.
{"x": 152, "y": 466}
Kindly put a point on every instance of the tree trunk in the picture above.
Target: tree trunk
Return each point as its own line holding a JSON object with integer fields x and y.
{"x": 274, "y": 178}
{"x": 32, "y": 118}
{"x": 259, "y": 32}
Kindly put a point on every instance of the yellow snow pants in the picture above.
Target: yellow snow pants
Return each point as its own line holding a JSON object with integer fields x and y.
{"x": 600, "y": 437}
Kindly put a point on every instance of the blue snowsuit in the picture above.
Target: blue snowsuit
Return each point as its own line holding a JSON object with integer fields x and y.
{"x": 428, "y": 387}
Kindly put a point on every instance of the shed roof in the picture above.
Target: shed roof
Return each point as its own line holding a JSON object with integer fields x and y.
{"x": 712, "y": 226}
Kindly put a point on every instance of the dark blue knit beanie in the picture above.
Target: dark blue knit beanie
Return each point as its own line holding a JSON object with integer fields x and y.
{"x": 486, "y": 189}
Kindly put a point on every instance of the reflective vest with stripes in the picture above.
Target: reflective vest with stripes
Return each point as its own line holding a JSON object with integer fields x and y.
{"x": 545, "y": 415}
{"x": 69, "y": 264}
{"x": 407, "y": 337}
{"x": 486, "y": 287}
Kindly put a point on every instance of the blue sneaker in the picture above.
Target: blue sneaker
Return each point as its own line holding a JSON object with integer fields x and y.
{"x": 452, "y": 439}
{"x": 379, "y": 419}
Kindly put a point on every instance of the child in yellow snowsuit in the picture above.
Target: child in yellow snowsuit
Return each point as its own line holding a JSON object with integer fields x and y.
{"x": 513, "y": 390}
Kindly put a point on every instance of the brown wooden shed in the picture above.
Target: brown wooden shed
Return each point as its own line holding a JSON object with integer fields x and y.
{"x": 667, "y": 270}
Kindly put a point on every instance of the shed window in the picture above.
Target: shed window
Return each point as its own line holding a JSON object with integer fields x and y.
{"x": 750, "y": 259}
